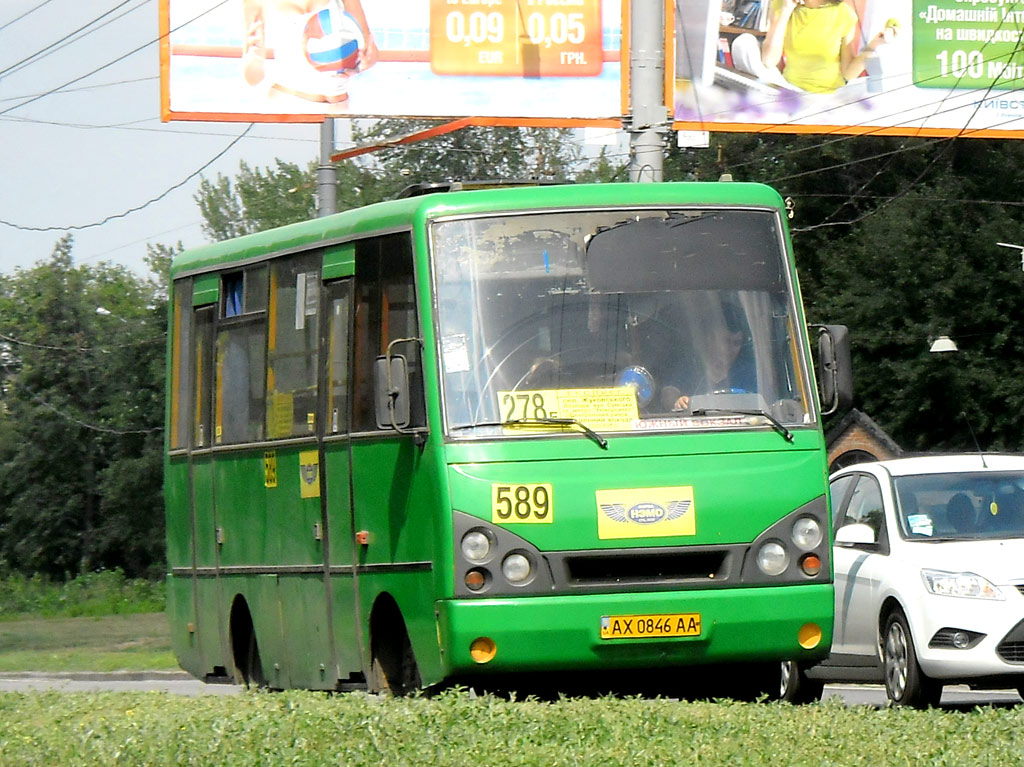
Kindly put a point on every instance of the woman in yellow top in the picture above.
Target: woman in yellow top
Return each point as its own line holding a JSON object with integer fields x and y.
{"x": 816, "y": 37}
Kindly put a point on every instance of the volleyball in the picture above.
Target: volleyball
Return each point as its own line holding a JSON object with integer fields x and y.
{"x": 333, "y": 40}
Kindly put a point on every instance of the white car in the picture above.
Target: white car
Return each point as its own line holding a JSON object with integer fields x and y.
{"x": 929, "y": 578}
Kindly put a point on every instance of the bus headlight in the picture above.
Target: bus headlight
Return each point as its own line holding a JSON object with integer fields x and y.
{"x": 517, "y": 569}
{"x": 806, "y": 533}
{"x": 772, "y": 558}
{"x": 476, "y": 546}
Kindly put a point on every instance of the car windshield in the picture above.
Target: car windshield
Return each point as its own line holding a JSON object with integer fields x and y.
{"x": 622, "y": 320}
{"x": 961, "y": 506}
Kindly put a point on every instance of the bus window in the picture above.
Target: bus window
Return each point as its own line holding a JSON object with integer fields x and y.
{"x": 292, "y": 347}
{"x": 181, "y": 371}
{"x": 202, "y": 355}
{"x": 240, "y": 353}
{"x": 692, "y": 309}
{"x": 385, "y": 311}
{"x": 337, "y": 364}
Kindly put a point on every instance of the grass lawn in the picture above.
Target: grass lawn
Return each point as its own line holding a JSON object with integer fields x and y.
{"x": 138, "y": 642}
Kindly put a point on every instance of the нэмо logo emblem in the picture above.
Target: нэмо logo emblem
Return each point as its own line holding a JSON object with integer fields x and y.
{"x": 646, "y": 512}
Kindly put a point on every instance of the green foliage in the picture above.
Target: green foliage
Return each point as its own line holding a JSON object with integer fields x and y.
{"x": 256, "y": 200}
{"x": 895, "y": 238}
{"x": 81, "y": 422}
{"x": 106, "y": 592}
{"x": 456, "y": 729}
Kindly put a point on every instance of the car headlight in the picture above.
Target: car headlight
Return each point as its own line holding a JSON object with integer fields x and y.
{"x": 959, "y": 585}
{"x": 772, "y": 558}
{"x": 806, "y": 533}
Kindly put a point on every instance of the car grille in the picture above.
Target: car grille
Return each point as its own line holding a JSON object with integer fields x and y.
{"x": 1011, "y": 649}
{"x": 943, "y": 639}
{"x": 640, "y": 568}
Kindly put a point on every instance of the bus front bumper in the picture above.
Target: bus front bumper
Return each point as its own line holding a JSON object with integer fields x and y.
{"x": 564, "y": 633}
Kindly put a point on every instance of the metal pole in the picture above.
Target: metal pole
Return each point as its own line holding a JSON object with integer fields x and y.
{"x": 326, "y": 175}
{"x": 647, "y": 122}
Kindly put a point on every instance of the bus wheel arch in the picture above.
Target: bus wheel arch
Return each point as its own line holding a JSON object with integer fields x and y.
{"x": 393, "y": 667}
{"x": 245, "y": 651}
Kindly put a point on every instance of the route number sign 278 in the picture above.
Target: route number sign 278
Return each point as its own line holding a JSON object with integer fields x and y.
{"x": 524, "y": 38}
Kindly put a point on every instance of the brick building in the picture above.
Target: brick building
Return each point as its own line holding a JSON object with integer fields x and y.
{"x": 857, "y": 439}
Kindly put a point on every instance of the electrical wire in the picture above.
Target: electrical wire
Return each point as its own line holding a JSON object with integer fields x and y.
{"x": 53, "y": 47}
{"x": 110, "y": 63}
{"x": 135, "y": 208}
{"x": 26, "y": 13}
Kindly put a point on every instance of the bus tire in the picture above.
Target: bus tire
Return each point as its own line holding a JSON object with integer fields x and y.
{"x": 795, "y": 687}
{"x": 393, "y": 668}
{"x": 244, "y": 647}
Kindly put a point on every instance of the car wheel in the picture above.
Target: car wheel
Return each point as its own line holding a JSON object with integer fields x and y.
{"x": 905, "y": 682}
{"x": 795, "y": 687}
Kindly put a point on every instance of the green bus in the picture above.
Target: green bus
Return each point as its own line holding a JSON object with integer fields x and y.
{"x": 495, "y": 432}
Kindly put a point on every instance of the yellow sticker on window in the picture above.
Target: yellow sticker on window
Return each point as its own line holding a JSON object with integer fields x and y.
{"x": 521, "y": 504}
{"x": 650, "y": 512}
{"x": 309, "y": 474}
{"x": 611, "y": 409}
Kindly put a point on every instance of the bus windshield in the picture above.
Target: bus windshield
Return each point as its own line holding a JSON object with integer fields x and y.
{"x": 625, "y": 320}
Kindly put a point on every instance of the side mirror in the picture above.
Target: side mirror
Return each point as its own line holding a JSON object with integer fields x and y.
{"x": 856, "y": 533}
{"x": 835, "y": 374}
{"x": 391, "y": 388}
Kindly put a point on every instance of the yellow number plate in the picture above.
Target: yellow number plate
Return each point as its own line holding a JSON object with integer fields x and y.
{"x": 521, "y": 503}
{"x": 646, "y": 626}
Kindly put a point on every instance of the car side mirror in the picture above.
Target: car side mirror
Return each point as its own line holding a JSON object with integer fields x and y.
{"x": 857, "y": 533}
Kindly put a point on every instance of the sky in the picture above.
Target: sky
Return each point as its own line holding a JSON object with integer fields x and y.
{"x": 96, "y": 148}
{"x": 82, "y": 145}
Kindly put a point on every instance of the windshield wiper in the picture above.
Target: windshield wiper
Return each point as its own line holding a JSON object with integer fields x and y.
{"x": 545, "y": 421}
{"x": 772, "y": 420}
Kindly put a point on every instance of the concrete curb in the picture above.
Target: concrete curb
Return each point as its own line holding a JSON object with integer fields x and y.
{"x": 102, "y": 676}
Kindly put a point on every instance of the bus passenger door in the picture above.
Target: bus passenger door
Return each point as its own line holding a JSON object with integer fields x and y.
{"x": 335, "y": 462}
{"x": 206, "y": 556}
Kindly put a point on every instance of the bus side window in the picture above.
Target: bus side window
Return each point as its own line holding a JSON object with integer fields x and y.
{"x": 293, "y": 335}
{"x": 181, "y": 370}
{"x": 385, "y": 311}
{"x": 240, "y": 350}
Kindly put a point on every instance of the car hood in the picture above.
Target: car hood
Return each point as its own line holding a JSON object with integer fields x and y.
{"x": 1000, "y": 561}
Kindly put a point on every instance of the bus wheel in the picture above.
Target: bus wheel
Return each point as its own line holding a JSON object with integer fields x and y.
{"x": 795, "y": 687}
{"x": 244, "y": 648}
{"x": 393, "y": 666}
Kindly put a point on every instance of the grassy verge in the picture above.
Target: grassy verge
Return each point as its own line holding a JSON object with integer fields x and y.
{"x": 115, "y": 642}
{"x": 454, "y": 729}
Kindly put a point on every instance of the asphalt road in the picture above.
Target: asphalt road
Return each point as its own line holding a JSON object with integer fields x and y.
{"x": 177, "y": 683}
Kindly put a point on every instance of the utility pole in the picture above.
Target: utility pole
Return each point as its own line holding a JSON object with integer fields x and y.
{"x": 647, "y": 122}
{"x": 326, "y": 174}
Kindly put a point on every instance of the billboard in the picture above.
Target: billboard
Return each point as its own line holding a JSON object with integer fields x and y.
{"x": 540, "y": 62}
{"x": 886, "y": 67}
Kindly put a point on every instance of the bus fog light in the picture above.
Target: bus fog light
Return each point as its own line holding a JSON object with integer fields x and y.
{"x": 483, "y": 650}
{"x": 476, "y": 579}
{"x": 806, "y": 533}
{"x": 809, "y": 636}
{"x": 772, "y": 558}
{"x": 476, "y": 546}
{"x": 516, "y": 568}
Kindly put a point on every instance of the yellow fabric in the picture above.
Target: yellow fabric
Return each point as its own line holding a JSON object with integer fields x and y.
{"x": 812, "y": 45}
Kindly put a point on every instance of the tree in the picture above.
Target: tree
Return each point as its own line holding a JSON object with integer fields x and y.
{"x": 895, "y": 238}
{"x": 80, "y": 430}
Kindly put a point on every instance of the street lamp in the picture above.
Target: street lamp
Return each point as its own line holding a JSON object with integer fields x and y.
{"x": 943, "y": 344}
{"x": 107, "y": 313}
{"x": 1015, "y": 247}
